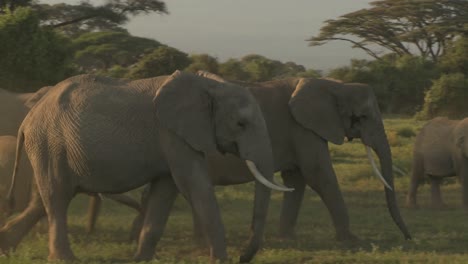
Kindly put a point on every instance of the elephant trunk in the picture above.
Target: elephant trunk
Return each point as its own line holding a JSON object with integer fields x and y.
{"x": 262, "y": 159}
{"x": 382, "y": 149}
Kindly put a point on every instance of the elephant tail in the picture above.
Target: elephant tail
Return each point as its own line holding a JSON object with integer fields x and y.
{"x": 19, "y": 148}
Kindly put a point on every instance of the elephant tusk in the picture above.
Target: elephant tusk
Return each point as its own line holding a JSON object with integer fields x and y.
{"x": 376, "y": 170}
{"x": 253, "y": 169}
{"x": 399, "y": 171}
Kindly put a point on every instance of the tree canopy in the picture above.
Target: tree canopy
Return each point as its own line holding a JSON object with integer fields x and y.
{"x": 98, "y": 52}
{"x": 86, "y": 17}
{"x": 31, "y": 56}
{"x": 163, "y": 60}
{"x": 403, "y": 27}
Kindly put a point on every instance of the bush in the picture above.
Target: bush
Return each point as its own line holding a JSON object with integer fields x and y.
{"x": 446, "y": 97}
{"x": 406, "y": 132}
{"x": 399, "y": 82}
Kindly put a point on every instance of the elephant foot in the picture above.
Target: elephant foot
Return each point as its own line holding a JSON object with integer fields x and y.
{"x": 143, "y": 256}
{"x": 288, "y": 236}
{"x": 346, "y": 237}
{"x": 62, "y": 256}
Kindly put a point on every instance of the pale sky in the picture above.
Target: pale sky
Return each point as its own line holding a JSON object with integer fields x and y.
{"x": 234, "y": 28}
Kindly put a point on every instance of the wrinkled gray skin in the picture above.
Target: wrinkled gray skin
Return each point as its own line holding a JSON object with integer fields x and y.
{"x": 14, "y": 107}
{"x": 101, "y": 135}
{"x": 440, "y": 150}
{"x": 302, "y": 116}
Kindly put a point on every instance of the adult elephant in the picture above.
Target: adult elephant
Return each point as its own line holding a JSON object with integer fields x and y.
{"x": 101, "y": 135}
{"x": 440, "y": 150}
{"x": 13, "y": 109}
{"x": 302, "y": 116}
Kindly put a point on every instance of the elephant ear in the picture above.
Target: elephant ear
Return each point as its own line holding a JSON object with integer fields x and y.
{"x": 314, "y": 106}
{"x": 184, "y": 106}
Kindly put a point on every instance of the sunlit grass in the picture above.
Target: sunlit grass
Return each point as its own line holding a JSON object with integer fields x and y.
{"x": 439, "y": 236}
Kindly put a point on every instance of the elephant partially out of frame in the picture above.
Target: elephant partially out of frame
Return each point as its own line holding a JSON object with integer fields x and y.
{"x": 440, "y": 150}
{"x": 13, "y": 109}
{"x": 302, "y": 116}
{"x": 101, "y": 135}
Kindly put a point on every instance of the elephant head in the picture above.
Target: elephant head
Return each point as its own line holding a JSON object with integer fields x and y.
{"x": 218, "y": 116}
{"x": 334, "y": 110}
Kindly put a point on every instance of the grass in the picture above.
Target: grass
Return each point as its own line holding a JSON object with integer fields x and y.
{"x": 439, "y": 235}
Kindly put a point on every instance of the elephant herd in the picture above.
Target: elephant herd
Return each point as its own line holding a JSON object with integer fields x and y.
{"x": 186, "y": 133}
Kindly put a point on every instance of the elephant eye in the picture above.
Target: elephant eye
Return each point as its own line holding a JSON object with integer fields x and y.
{"x": 241, "y": 124}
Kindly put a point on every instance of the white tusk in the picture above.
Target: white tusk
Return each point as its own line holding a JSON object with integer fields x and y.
{"x": 399, "y": 171}
{"x": 253, "y": 169}
{"x": 376, "y": 170}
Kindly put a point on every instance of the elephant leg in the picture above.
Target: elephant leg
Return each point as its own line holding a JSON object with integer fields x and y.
{"x": 56, "y": 193}
{"x": 291, "y": 203}
{"x": 436, "y": 196}
{"x": 416, "y": 177}
{"x": 326, "y": 186}
{"x": 161, "y": 197}
{"x": 94, "y": 207}
{"x": 140, "y": 218}
{"x": 260, "y": 211}
{"x": 14, "y": 230}
{"x": 318, "y": 172}
{"x": 463, "y": 173}
{"x": 190, "y": 173}
{"x": 197, "y": 230}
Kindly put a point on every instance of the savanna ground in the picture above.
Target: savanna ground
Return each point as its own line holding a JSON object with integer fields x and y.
{"x": 439, "y": 236}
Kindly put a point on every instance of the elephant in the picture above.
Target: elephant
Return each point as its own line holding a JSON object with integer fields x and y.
{"x": 96, "y": 134}
{"x": 302, "y": 115}
{"x": 14, "y": 107}
{"x": 440, "y": 150}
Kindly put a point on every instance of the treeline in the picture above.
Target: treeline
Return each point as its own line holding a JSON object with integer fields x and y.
{"x": 423, "y": 70}
{"x": 34, "y": 56}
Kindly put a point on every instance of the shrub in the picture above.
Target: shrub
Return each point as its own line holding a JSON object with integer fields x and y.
{"x": 406, "y": 132}
{"x": 446, "y": 97}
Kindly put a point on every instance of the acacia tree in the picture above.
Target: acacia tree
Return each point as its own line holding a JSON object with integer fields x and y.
{"x": 86, "y": 17}
{"x": 403, "y": 27}
{"x": 99, "y": 52}
{"x": 31, "y": 56}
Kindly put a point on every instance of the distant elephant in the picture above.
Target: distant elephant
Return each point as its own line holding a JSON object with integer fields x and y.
{"x": 13, "y": 109}
{"x": 440, "y": 150}
{"x": 102, "y": 135}
{"x": 302, "y": 115}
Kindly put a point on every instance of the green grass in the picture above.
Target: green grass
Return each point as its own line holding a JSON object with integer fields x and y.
{"x": 439, "y": 236}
